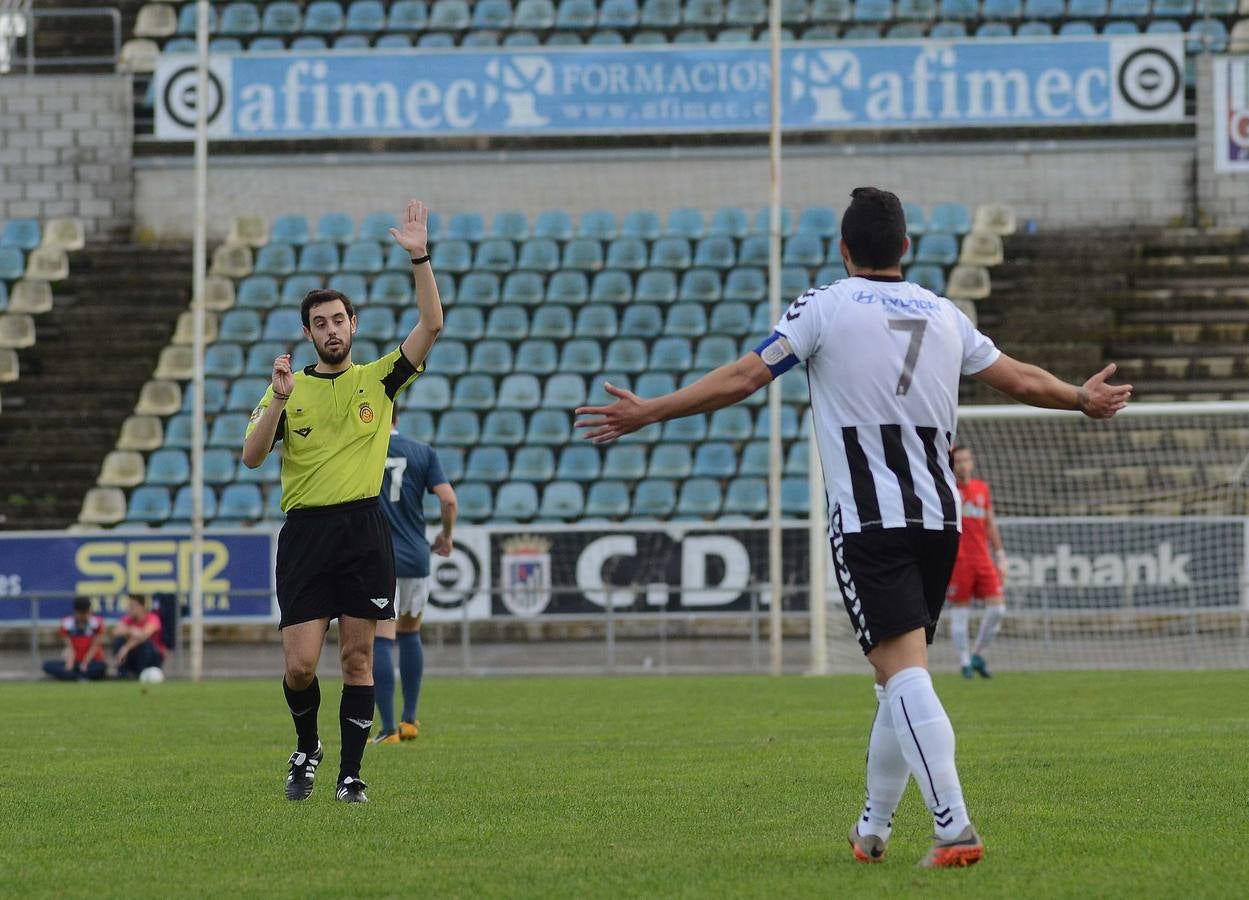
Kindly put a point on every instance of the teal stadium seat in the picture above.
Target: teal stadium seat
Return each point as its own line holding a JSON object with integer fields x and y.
{"x": 242, "y": 502}
{"x": 474, "y": 392}
{"x": 539, "y": 255}
{"x": 647, "y": 38}
{"x": 492, "y": 14}
{"x": 476, "y": 501}
{"x": 699, "y": 286}
{"x": 364, "y": 257}
{"x": 917, "y": 10}
{"x": 504, "y": 427}
{"x": 619, "y": 14}
{"x": 1006, "y": 10}
{"x": 763, "y": 220}
{"x": 418, "y": 425}
{"x": 290, "y": 229}
{"x": 214, "y": 396}
{"x": 520, "y": 390}
{"x": 797, "y": 460}
{"x": 733, "y": 423}
{"x": 795, "y": 497}
{"x": 951, "y": 218}
{"x": 407, "y": 15}
{"x": 223, "y": 360}
{"x": 655, "y": 384}
{"x": 671, "y": 354}
{"x": 260, "y": 356}
{"x": 583, "y": 356}
{"x": 642, "y": 223}
{"x": 730, "y": 318}
{"x": 448, "y": 357}
{"x": 715, "y": 459}
{"x": 25, "y": 234}
{"x": 436, "y": 39}
{"x": 641, "y": 320}
{"x": 656, "y": 286}
{"x": 607, "y": 500}
{"x": 753, "y": 251}
{"x": 239, "y": 19}
{"x": 219, "y": 465}
{"x": 599, "y": 224}
{"x": 491, "y": 358}
{"x": 393, "y": 289}
{"x": 149, "y": 504}
{"x": 516, "y": 501}
{"x": 689, "y": 430}
{"x": 464, "y": 323}
{"x": 169, "y": 467}
{"x": 509, "y": 323}
{"x": 452, "y": 255}
{"x": 227, "y": 430}
{"x": 873, "y": 10}
{"x": 820, "y": 221}
{"x": 452, "y": 459}
{"x": 614, "y": 286}
{"x": 510, "y": 224}
{"x": 747, "y": 285}
{"x": 533, "y": 464}
{"x": 670, "y": 461}
{"x": 671, "y": 253}
{"x": 789, "y": 424}
{"x": 928, "y": 276}
{"x": 576, "y": 15}
{"x": 487, "y": 464}
{"x": 553, "y": 224}
{"x": 188, "y": 17}
{"x": 685, "y": 222}
{"x": 275, "y": 259}
{"x": 323, "y": 17}
{"x": 562, "y": 501}
{"x": 284, "y": 325}
{"x": 551, "y": 322}
{"x": 537, "y": 15}
{"x": 479, "y": 287}
{"x": 268, "y": 472}
{"x": 318, "y": 257}
{"x": 376, "y": 323}
{"x": 568, "y": 287}
{"x": 626, "y": 355}
{"x": 937, "y": 248}
{"x": 703, "y": 13}
{"x": 746, "y": 496}
{"x": 458, "y": 428}
{"x": 433, "y": 392}
{"x": 365, "y": 16}
{"x": 1128, "y": 9}
{"x": 239, "y": 325}
{"x": 715, "y": 351}
{"x": 537, "y": 356}
{"x": 336, "y": 228}
{"x": 596, "y": 321}
{"x": 523, "y": 288}
{"x": 564, "y": 391}
{"x": 495, "y": 255}
{"x": 686, "y": 320}
{"x": 585, "y": 254}
{"x": 715, "y": 252}
{"x": 654, "y": 499}
{"x": 627, "y": 253}
{"x": 352, "y": 284}
{"x": 626, "y": 462}
{"x": 699, "y": 499}
{"x": 463, "y": 226}
{"x": 579, "y": 462}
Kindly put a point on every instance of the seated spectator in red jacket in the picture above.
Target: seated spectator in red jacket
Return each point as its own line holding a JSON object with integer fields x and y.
{"x": 137, "y": 642}
{"x": 83, "y": 657}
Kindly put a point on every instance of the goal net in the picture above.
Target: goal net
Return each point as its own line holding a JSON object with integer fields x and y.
{"x": 1126, "y": 540}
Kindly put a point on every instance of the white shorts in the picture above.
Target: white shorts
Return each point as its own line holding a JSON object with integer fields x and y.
{"x": 410, "y": 596}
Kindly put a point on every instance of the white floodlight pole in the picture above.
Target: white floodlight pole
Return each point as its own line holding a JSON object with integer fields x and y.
{"x": 775, "y": 570}
{"x": 199, "y": 265}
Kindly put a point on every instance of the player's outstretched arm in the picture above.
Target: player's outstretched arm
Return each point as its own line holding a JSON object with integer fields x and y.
{"x": 450, "y": 509}
{"x": 717, "y": 389}
{"x": 1037, "y": 387}
{"x": 413, "y": 236}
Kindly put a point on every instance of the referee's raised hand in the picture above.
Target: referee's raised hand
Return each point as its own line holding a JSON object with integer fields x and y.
{"x": 283, "y": 380}
{"x": 413, "y": 235}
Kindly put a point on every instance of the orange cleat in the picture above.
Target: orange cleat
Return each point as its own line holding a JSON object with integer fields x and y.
{"x": 868, "y": 848}
{"x": 409, "y": 731}
{"x": 958, "y": 853}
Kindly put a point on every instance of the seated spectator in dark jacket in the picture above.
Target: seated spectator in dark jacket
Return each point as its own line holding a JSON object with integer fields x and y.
{"x": 137, "y": 643}
{"x": 83, "y": 657}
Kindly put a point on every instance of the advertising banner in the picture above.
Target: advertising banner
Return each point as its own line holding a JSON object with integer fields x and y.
{"x": 1231, "y": 113}
{"x": 238, "y": 572}
{"x": 676, "y": 89}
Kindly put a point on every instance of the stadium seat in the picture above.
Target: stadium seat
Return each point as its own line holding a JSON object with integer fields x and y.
{"x": 564, "y": 391}
{"x": 241, "y": 502}
{"x": 182, "y": 504}
{"x": 732, "y": 423}
{"x": 476, "y": 501}
{"x": 937, "y": 248}
{"x": 598, "y": 224}
{"x": 1005, "y": 10}
{"x": 376, "y": 323}
{"x": 290, "y": 229}
{"x": 365, "y": 16}
{"x": 510, "y": 224}
{"x": 318, "y": 257}
{"x": 715, "y": 460}
{"x": 487, "y": 464}
{"x": 239, "y": 19}
{"x": 700, "y": 498}
{"x": 537, "y": 15}
{"x": 448, "y": 357}
{"x": 670, "y": 461}
{"x": 688, "y": 430}
{"x": 744, "y": 14}
{"x": 276, "y": 260}
{"x": 505, "y": 427}
{"x": 654, "y": 498}
{"x": 432, "y": 393}
{"x": 25, "y": 234}
{"x": 745, "y": 284}
{"x": 364, "y": 257}
{"x": 540, "y": 357}
{"x": 568, "y": 287}
{"x": 533, "y": 464}
{"x": 746, "y": 496}
{"x": 715, "y": 351}
{"x": 219, "y": 464}
{"x": 509, "y": 323}
{"x": 149, "y": 504}
{"x": 596, "y": 321}
{"x": 323, "y": 17}
{"x": 491, "y": 358}
{"x": 732, "y": 319}
{"x": 968, "y": 283}
{"x": 656, "y": 286}
{"x": 686, "y": 320}
{"x": 539, "y": 255}
{"x": 626, "y": 253}
{"x": 641, "y": 223}
{"x": 579, "y": 462}
{"x": 224, "y": 360}
{"x": 607, "y": 500}
{"x": 671, "y": 253}
{"x": 576, "y": 15}
{"x": 625, "y": 462}
{"x": 583, "y": 253}
{"x": 121, "y": 468}
{"x": 993, "y": 30}
{"x": 715, "y": 251}
{"x": 946, "y": 30}
{"x": 626, "y": 355}
{"x": 928, "y": 276}
{"x": 285, "y": 325}
{"x": 480, "y": 288}
{"x": 519, "y": 390}
{"x": 227, "y": 430}
{"x": 407, "y": 15}
{"x": 492, "y": 14}
{"x": 353, "y": 284}
{"x": 523, "y": 288}
{"x": 435, "y": 40}
{"x": 753, "y": 251}
{"x": 553, "y": 224}
{"x": 671, "y": 354}
{"x": 641, "y": 320}
{"x": 458, "y": 428}
{"x": 336, "y": 228}
{"x": 1206, "y": 36}
{"x": 789, "y": 424}
{"x": 613, "y": 286}
{"x": 562, "y": 501}
{"x": 803, "y": 250}
{"x": 551, "y": 322}
{"x": 495, "y": 255}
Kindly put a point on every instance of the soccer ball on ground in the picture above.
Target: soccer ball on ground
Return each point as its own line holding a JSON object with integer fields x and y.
{"x": 152, "y": 675}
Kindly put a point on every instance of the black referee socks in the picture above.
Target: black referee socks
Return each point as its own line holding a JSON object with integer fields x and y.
{"x": 304, "y": 705}
{"x": 355, "y": 717}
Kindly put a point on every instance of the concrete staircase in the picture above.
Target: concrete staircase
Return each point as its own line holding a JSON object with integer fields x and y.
{"x": 80, "y": 380}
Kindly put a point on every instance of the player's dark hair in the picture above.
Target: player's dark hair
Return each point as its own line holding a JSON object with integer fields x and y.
{"x": 874, "y": 228}
{"x": 139, "y": 599}
{"x": 317, "y": 297}
{"x": 82, "y": 604}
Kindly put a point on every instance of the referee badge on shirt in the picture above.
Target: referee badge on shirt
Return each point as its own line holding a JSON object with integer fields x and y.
{"x": 366, "y": 413}
{"x": 526, "y": 575}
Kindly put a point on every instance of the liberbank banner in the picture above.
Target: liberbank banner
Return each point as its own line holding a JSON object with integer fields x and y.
{"x": 677, "y": 89}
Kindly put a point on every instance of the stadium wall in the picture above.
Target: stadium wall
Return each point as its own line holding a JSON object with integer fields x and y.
{"x": 1137, "y": 182}
{"x": 66, "y": 149}
{"x": 1223, "y": 197}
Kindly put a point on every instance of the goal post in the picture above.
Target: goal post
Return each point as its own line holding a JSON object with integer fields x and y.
{"x": 1127, "y": 542}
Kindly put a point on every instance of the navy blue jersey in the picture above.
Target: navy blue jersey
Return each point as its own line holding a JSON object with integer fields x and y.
{"x": 412, "y": 468}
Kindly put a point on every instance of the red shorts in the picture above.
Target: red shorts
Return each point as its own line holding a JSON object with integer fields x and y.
{"x": 974, "y": 576}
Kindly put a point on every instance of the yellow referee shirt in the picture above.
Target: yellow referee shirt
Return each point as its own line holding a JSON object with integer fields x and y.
{"x": 335, "y": 430}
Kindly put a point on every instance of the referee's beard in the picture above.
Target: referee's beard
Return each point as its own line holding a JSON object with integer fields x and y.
{"x": 335, "y": 351}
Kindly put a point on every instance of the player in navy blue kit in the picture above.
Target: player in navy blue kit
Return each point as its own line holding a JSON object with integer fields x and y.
{"x": 412, "y": 468}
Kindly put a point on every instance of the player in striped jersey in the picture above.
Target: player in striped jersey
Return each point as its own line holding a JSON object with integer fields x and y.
{"x": 884, "y": 358}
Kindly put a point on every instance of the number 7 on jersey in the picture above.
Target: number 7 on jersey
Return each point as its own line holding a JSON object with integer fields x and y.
{"x": 916, "y": 328}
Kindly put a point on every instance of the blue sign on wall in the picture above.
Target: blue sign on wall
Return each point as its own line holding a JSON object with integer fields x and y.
{"x": 678, "y": 89}
{"x": 238, "y": 572}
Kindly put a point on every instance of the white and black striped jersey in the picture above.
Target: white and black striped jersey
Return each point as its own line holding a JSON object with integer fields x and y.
{"x": 884, "y": 358}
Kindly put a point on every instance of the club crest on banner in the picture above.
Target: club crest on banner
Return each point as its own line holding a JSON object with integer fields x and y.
{"x": 526, "y": 576}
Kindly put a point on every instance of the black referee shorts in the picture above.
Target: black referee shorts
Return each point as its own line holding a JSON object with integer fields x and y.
{"x": 336, "y": 561}
{"x": 892, "y": 580}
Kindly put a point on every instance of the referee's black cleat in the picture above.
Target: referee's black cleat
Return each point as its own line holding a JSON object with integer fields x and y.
{"x": 351, "y": 790}
{"x": 303, "y": 772}
{"x": 977, "y": 664}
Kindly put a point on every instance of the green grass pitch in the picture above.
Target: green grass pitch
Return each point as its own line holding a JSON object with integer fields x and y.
{"x": 1103, "y": 785}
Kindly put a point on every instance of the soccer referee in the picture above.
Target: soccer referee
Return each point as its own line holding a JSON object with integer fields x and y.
{"x": 334, "y": 552}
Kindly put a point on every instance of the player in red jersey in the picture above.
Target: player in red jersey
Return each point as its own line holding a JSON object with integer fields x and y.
{"x": 980, "y": 568}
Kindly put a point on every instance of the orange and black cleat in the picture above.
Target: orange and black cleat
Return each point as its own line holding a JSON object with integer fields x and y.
{"x": 958, "y": 853}
{"x": 868, "y": 848}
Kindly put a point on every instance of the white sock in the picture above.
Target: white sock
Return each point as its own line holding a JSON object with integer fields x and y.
{"x": 988, "y": 626}
{"x": 887, "y": 772}
{"x": 927, "y": 740}
{"x": 958, "y": 632}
